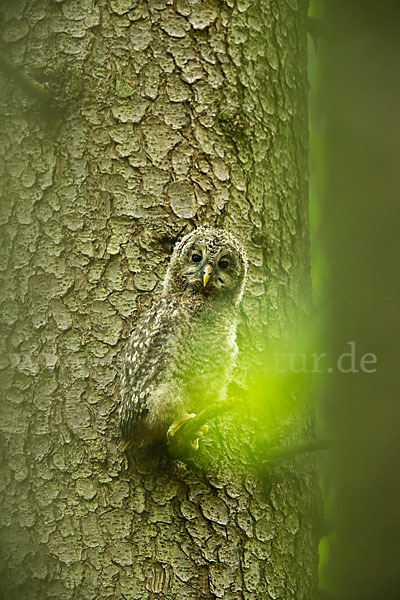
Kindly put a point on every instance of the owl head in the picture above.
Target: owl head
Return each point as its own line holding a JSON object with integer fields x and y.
{"x": 210, "y": 262}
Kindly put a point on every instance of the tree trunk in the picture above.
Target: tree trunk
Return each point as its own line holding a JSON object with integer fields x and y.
{"x": 140, "y": 119}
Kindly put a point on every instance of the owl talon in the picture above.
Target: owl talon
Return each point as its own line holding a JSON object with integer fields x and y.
{"x": 203, "y": 430}
{"x": 177, "y": 425}
{"x": 195, "y": 444}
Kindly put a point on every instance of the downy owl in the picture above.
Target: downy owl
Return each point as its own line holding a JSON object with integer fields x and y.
{"x": 181, "y": 354}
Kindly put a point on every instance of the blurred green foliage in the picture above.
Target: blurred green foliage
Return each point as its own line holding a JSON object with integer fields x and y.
{"x": 355, "y": 183}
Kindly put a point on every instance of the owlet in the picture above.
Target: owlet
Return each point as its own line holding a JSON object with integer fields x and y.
{"x": 181, "y": 354}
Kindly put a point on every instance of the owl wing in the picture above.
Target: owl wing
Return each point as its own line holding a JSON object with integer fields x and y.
{"x": 147, "y": 362}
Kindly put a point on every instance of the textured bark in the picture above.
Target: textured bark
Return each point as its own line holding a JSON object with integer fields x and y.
{"x": 174, "y": 114}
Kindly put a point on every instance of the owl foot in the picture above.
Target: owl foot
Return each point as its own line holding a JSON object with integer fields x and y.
{"x": 199, "y": 434}
{"x": 172, "y": 430}
{"x": 194, "y": 442}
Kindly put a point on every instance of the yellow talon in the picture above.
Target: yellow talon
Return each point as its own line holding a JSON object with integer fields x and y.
{"x": 172, "y": 430}
{"x": 178, "y": 424}
{"x": 195, "y": 444}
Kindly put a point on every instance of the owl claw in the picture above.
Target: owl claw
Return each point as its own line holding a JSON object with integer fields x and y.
{"x": 195, "y": 444}
{"x": 174, "y": 428}
{"x": 199, "y": 434}
{"x": 177, "y": 425}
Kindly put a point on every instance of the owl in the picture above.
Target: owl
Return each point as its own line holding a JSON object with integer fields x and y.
{"x": 181, "y": 354}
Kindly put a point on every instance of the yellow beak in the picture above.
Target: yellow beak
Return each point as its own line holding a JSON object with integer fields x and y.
{"x": 206, "y": 275}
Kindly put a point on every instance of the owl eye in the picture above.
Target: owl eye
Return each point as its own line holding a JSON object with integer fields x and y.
{"x": 223, "y": 264}
{"x": 196, "y": 258}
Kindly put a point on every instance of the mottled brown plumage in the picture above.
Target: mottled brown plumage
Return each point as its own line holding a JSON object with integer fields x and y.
{"x": 180, "y": 356}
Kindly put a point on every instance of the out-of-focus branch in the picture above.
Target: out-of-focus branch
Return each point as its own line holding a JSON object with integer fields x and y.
{"x": 317, "y": 28}
{"x": 284, "y": 452}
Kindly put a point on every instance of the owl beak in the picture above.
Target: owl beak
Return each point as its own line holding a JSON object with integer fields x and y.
{"x": 206, "y": 275}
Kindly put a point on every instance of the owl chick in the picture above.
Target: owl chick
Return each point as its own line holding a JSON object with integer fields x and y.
{"x": 181, "y": 354}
